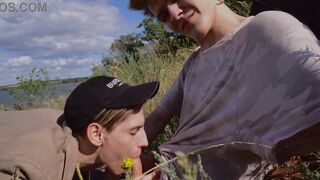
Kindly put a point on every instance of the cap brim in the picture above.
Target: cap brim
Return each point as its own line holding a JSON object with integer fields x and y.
{"x": 135, "y": 95}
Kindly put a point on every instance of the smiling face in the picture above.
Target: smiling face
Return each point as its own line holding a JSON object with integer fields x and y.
{"x": 193, "y": 18}
{"x": 126, "y": 139}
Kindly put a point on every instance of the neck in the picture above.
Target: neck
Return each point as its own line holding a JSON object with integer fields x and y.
{"x": 86, "y": 154}
{"x": 225, "y": 21}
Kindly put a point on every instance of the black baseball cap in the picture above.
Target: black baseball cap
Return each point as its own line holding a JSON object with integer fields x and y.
{"x": 97, "y": 93}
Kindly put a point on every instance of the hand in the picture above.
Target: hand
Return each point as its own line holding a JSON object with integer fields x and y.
{"x": 137, "y": 172}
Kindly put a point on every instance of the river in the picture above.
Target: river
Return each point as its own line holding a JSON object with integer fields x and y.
{"x": 8, "y": 100}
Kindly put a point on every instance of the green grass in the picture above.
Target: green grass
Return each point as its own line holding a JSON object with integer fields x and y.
{"x": 149, "y": 67}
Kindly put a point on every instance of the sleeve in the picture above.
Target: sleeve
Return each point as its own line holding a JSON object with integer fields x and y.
{"x": 173, "y": 99}
{"x": 4, "y": 176}
{"x": 288, "y": 104}
{"x": 306, "y": 137}
{"x": 20, "y": 170}
{"x": 282, "y": 31}
{"x": 15, "y": 175}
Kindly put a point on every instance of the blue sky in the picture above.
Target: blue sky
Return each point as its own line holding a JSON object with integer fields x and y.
{"x": 67, "y": 39}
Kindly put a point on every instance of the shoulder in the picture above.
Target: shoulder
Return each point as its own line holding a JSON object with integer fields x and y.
{"x": 275, "y": 23}
{"x": 15, "y": 124}
{"x": 275, "y": 18}
{"x": 36, "y": 147}
{"x": 29, "y": 120}
{"x": 38, "y": 153}
{"x": 280, "y": 29}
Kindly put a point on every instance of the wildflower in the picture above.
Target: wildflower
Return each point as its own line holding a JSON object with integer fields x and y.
{"x": 127, "y": 166}
{"x": 127, "y": 163}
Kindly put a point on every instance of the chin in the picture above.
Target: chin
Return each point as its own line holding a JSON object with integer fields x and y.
{"x": 117, "y": 170}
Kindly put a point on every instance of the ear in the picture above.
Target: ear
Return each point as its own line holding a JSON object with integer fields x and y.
{"x": 94, "y": 134}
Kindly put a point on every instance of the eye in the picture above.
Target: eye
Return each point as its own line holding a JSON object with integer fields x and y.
{"x": 134, "y": 131}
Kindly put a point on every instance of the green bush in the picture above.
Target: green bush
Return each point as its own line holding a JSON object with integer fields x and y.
{"x": 32, "y": 90}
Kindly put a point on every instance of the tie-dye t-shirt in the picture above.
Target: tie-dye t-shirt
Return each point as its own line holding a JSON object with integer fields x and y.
{"x": 259, "y": 84}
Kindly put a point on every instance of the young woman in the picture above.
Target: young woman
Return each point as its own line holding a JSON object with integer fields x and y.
{"x": 102, "y": 124}
{"x": 253, "y": 79}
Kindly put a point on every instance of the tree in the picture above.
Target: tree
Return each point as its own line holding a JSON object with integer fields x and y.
{"x": 126, "y": 45}
{"x": 163, "y": 40}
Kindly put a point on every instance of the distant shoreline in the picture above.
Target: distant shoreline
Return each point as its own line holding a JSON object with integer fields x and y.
{"x": 55, "y": 81}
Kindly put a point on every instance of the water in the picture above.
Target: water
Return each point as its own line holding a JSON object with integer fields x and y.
{"x": 56, "y": 89}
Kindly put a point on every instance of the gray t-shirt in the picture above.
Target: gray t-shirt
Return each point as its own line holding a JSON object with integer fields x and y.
{"x": 260, "y": 84}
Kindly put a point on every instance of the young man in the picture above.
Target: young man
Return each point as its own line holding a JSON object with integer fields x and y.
{"x": 254, "y": 79}
{"x": 102, "y": 124}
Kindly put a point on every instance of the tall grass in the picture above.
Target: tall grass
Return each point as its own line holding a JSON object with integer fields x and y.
{"x": 150, "y": 67}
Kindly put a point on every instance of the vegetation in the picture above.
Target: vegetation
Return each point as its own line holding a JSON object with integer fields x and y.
{"x": 33, "y": 89}
{"x": 154, "y": 54}
{"x": 241, "y": 7}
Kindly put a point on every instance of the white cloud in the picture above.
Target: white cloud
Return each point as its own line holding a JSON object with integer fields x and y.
{"x": 69, "y": 62}
{"x": 17, "y": 62}
{"x": 57, "y": 68}
{"x": 66, "y": 40}
{"x": 67, "y": 29}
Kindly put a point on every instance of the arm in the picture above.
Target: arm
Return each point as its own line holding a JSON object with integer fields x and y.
{"x": 156, "y": 122}
{"x": 4, "y": 176}
{"x": 154, "y": 125}
{"x": 16, "y": 175}
{"x": 169, "y": 106}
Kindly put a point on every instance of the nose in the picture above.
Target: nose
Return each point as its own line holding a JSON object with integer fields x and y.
{"x": 143, "y": 142}
{"x": 175, "y": 12}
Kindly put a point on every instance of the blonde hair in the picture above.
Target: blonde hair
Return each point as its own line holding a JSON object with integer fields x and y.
{"x": 109, "y": 118}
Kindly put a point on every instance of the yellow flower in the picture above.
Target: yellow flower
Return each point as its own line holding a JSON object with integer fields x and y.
{"x": 127, "y": 163}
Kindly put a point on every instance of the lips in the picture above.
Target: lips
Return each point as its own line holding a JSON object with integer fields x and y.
{"x": 185, "y": 21}
{"x": 189, "y": 13}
